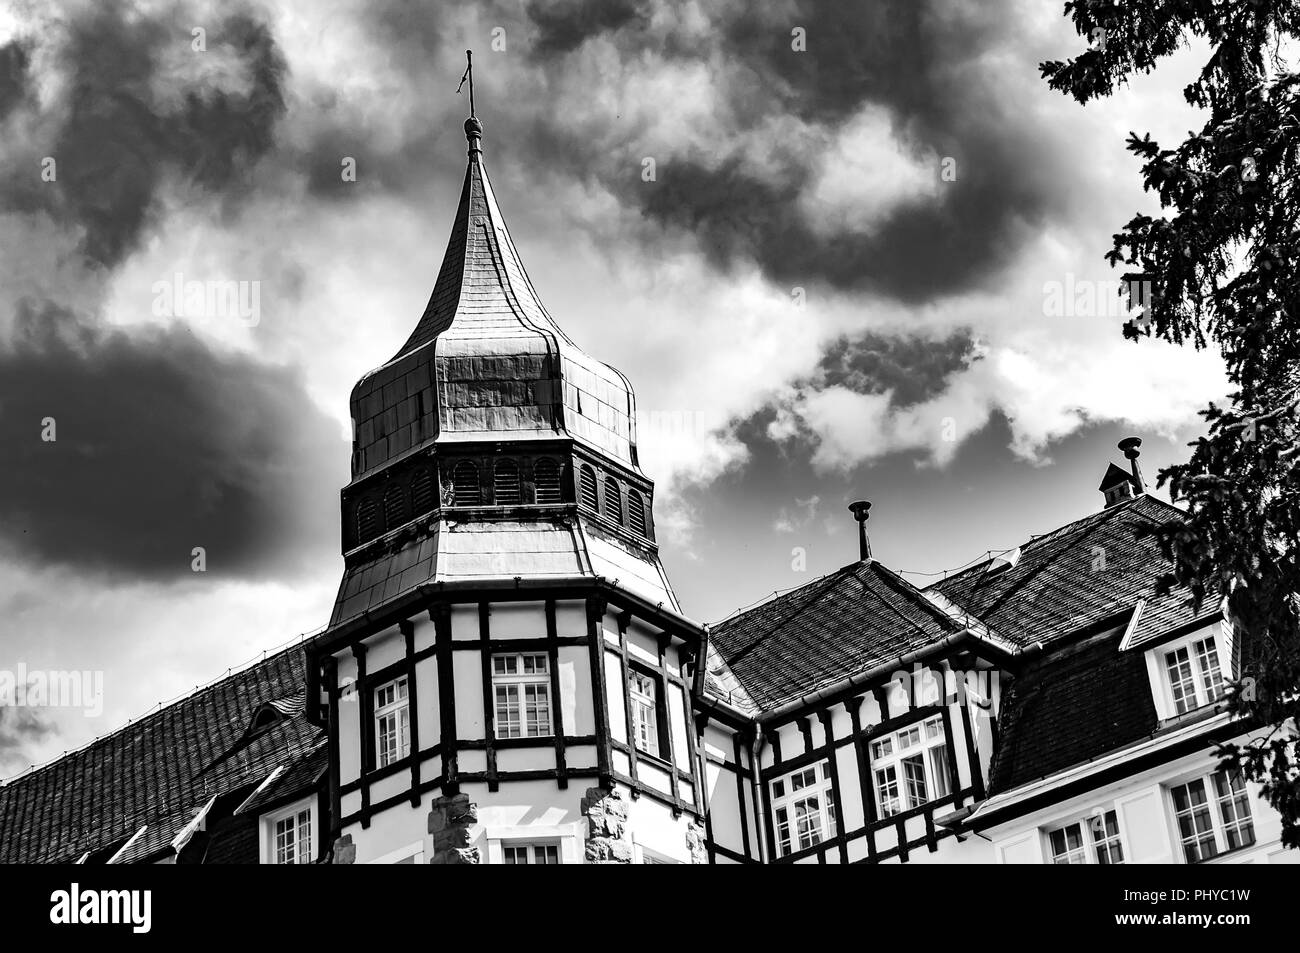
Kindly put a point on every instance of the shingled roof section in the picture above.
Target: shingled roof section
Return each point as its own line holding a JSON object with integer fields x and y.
{"x": 1071, "y": 706}
{"x": 150, "y": 773}
{"x": 838, "y": 626}
{"x": 1079, "y": 575}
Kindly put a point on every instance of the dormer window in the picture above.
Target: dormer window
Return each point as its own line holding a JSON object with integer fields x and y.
{"x": 1195, "y": 678}
{"x": 1191, "y": 673}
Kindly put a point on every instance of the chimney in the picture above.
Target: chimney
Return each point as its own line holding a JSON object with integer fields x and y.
{"x": 861, "y": 511}
{"x": 1118, "y": 486}
{"x": 1131, "y": 448}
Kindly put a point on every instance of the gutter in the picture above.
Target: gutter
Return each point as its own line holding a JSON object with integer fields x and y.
{"x": 760, "y": 827}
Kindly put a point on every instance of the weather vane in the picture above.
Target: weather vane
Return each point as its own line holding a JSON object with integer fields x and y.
{"x": 468, "y": 76}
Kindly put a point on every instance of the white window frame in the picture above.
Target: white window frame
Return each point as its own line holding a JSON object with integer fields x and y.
{"x": 795, "y": 831}
{"x": 645, "y": 855}
{"x": 1214, "y": 808}
{"x": 414, "y": 853}
{"x": 532, "y": 850}
{"x": 645, "y": 710}
{"x": 1204, "y": 671}
{"x": 398, "y": 708}
{"x": 523, "y": 681}
{"x": 1158, "y": 671}
{"x": 1093, "y": 839}
{"x": 570, "y": 838}
{"x": 268, "y": 831}
{"x": 894, "y": 788}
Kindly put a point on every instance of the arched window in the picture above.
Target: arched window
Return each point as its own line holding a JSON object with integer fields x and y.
{"x": 464, "y": 485}
{"x": 587, "y": 488}
{"x": 395, "y": 511}
{"x": 636, "y": 512}
{"x": 546, "y": 481}
{"x": 422, "y": 491}
{"x": 367, "y": 520}
{"x": 505, "y": 483}
{"x": 613, "y": 500}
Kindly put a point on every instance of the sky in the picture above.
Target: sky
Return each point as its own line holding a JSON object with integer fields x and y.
{"x": 842, "y": 251}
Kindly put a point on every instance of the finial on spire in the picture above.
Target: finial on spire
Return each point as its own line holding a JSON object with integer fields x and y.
{"x": 473, "y": 128}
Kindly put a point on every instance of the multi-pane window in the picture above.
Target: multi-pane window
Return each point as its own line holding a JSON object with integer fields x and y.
{"x": 911, "y": 767}
{"x": 293, "y": 840}
{"x": 804, "y": 808}
{"x": 643, "y": 693}
{"x": 392, "y": 722}
{"x": 522, "y": 686}
{"x": 1093, "y": 840}
{"x": 1195, "y": 678}
{"x": 530, "y": 853}
{"x": 1213, "y": 816}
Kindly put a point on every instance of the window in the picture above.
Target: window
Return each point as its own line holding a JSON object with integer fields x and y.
{"x": 422, "y": 491}
{"x": 1070, "y": 844}
{"x": 522, "y": 686}
{"x": 530, "y": 853}
{"x": 293, "y": 837}
{"x": 636, "y": 512}
{"x": 911, "y": 767}
{"x": 367, "y": 520}
{"x": 644, "y": 693}
{"x": 587, "y": 488}
{"x": 505, "y": 483}
{"x": 1213, "y": 816}
{"x": 804, "y": 808}
{"x": 613, "y": 500}
{"x": 464, "y": 485}
{"x": 546, "y": 481}
{"x": 395, "y": 513}
{"x": 1195, "y": 678}
{"x": 392, "y": 722}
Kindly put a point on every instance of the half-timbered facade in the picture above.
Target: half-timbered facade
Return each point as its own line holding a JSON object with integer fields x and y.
{"x": 507, "y": 677}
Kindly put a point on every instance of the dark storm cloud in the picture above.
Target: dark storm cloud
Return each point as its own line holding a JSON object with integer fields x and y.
{"x": 14, "y": 59}
{"x": 564, "y": 24}
{"x": 913, "y": 369}
{"x": 163, "y": 444}
{"x": 916, "y": 58}
{"x": 20, "y": 728}
{"x": 117, "y": 141}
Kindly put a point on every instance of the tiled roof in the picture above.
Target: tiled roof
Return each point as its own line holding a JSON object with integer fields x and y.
{"x": 300, "y": 774}
{"x": 150, "y": 773}
{"x": 1081, "y": 574}
{"x": 831, "y": 629}
{"x": 1069, "y": 706}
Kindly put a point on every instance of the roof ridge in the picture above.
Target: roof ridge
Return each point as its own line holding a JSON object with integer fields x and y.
{"x": 1077, "y": 525}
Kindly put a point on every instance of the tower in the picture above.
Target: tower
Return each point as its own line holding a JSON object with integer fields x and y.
{"x": 505, "y": 646}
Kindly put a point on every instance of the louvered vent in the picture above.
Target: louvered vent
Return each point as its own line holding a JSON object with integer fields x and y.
{"x": 367, "y": 520}
{"x": 505, "y": 483}
{"x": 546, "y": 481}
{"x": 422, "y": 491}
{"x": 613, "y": 500}
{"x": 395, "y": 511}
{"x": 587, "y": 489}
{"x": 636, "y": 512}
{"x": 464, "y": 485}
